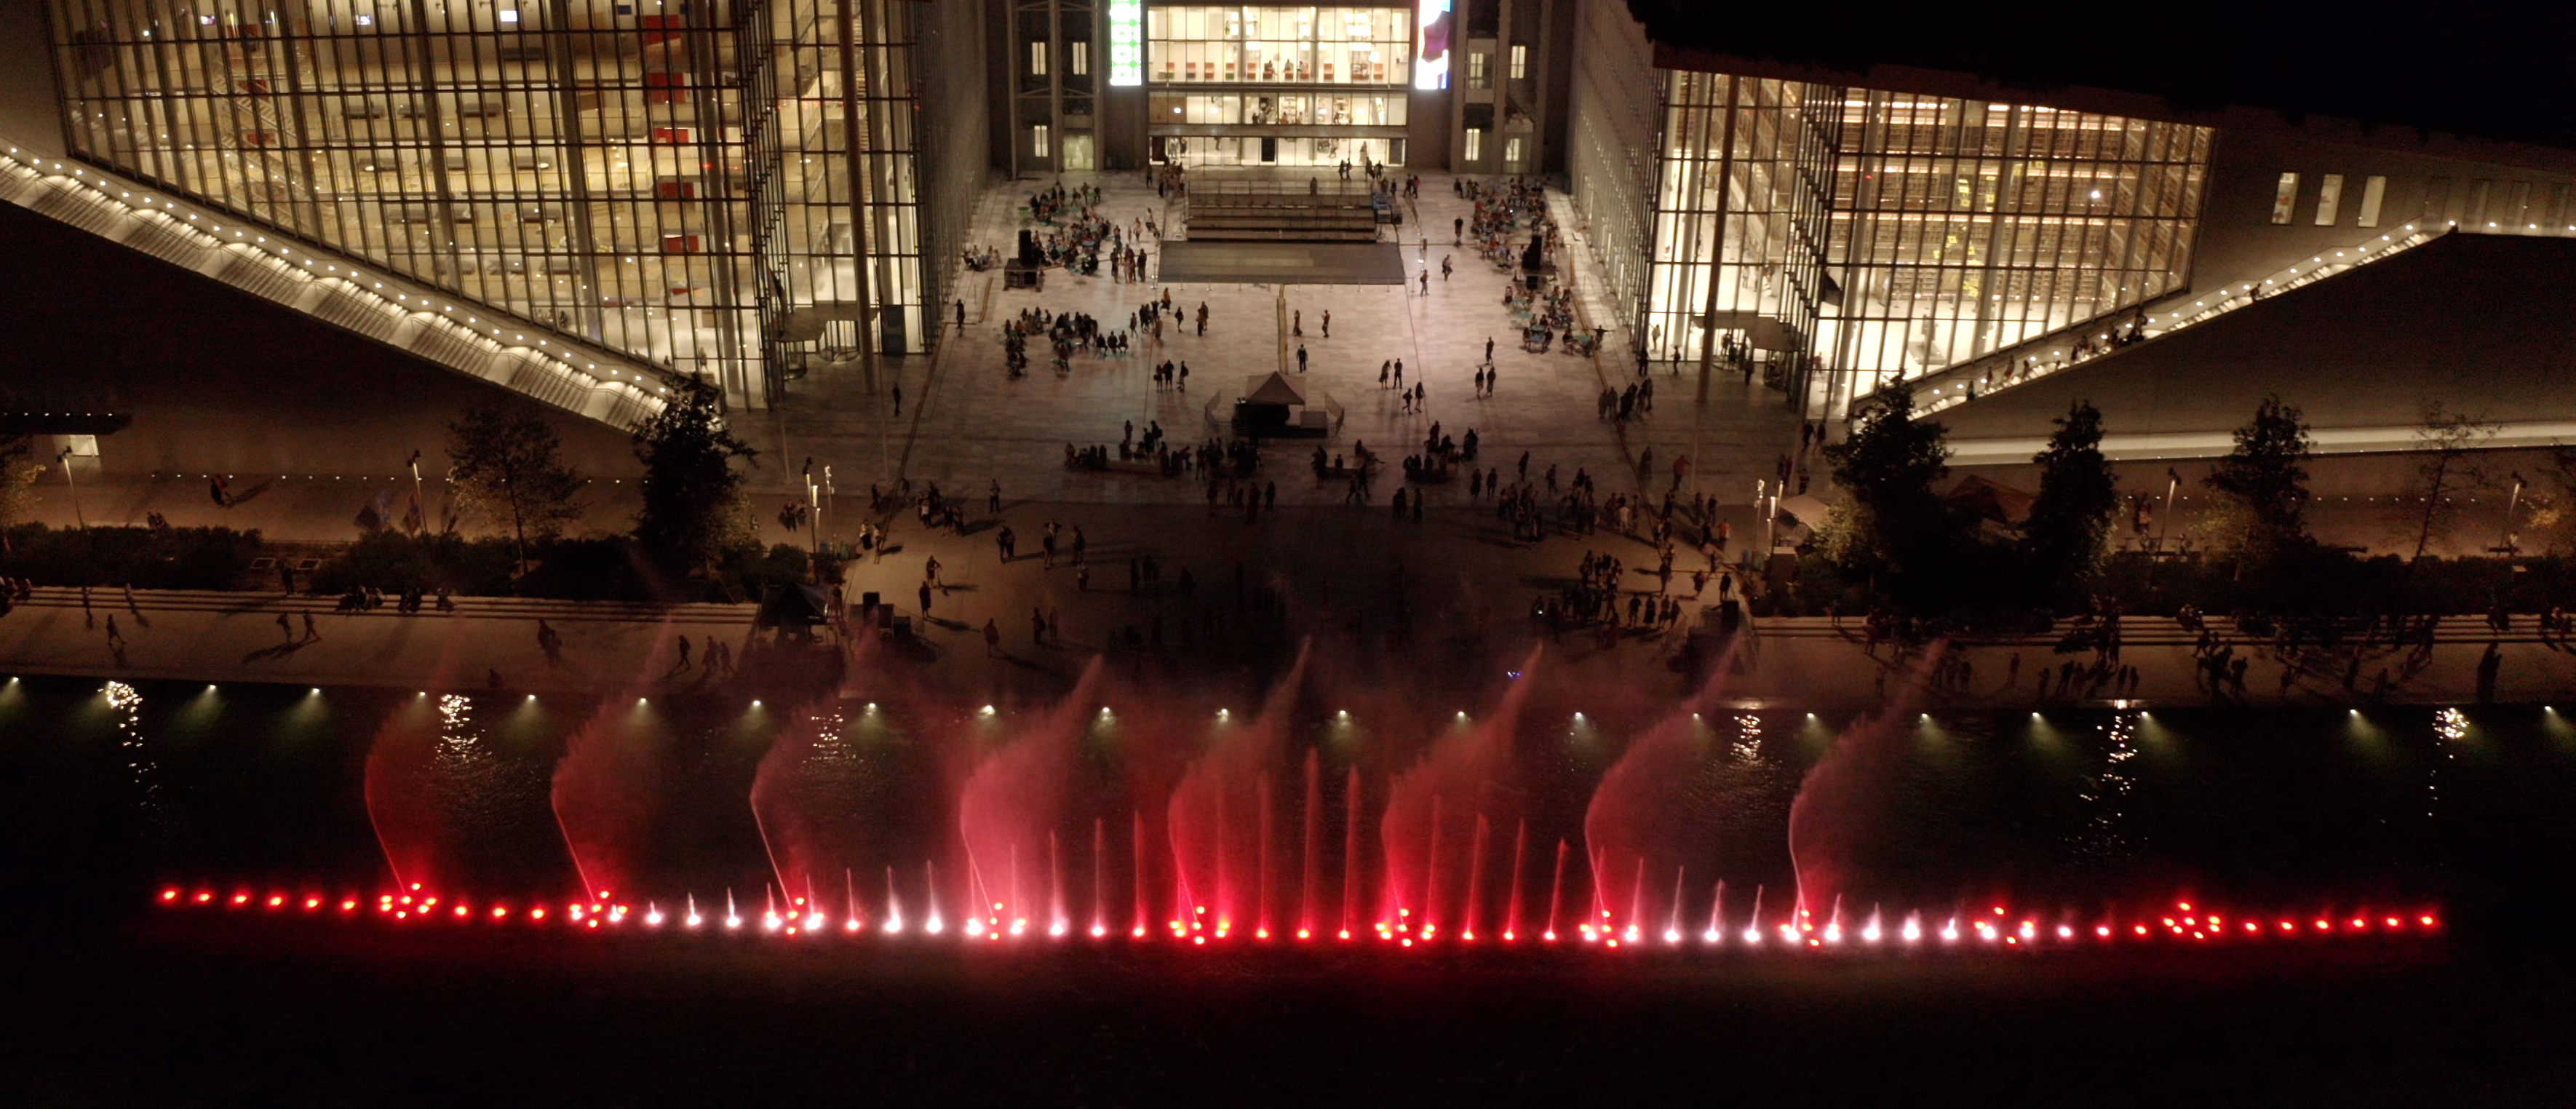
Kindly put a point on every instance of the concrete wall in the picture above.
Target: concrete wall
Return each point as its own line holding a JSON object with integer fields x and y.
{"x": 218, "y": 380}
{"x": 2239, "y": 242}
{"x": 2478, "y": 322}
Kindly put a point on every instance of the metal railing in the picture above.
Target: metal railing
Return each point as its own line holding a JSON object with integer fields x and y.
{"x": 1983, "y": 377}
{"x": 436, "y": 326}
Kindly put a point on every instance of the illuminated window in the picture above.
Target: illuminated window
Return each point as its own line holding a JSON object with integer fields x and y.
{"x": 1080, "y": 53}
{"x": 2373, "y": 191}
{"x": 1038, "y": 141}
{"x": 2285, "y": 197}
{"x": 1475, "y": 144}
{"x": 509, "y": 16}
{"x": 1511, "y": 153}
{"x": 2329, "y": 196}
{"x": 1520, "y": 61}
{"x": 1476, "y": 71}
{"x": 1037, "y": 57}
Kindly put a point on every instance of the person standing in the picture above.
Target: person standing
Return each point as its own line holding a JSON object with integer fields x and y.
{"x": 898, "y": 398}
{"x": 992, "y": 637}
{"x": 1328, "y": 323}
{"x": 993, "y": 498}
{"x": 1301, "y": 358}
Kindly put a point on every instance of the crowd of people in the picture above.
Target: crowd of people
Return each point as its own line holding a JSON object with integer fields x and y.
{"x": 1065, "y": 333}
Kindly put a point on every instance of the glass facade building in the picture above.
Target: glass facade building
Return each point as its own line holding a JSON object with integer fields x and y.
{"x": 1743, "y": 179}
{"x": 1269, "y": 85}
{"x": 728, "y": 188}
{"x": 1961, "y": 227}
{"x": 1870, "y": 234}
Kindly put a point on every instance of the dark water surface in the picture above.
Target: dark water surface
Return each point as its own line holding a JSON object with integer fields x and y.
{"x": 2084, "y": 815}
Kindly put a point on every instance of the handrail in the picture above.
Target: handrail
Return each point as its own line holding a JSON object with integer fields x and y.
{"x": 340, "y": 290}
{"x": 1951, "y": 392}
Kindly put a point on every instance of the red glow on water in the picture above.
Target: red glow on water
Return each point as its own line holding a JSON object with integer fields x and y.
{"x": 498, "y": 912}
{"x": 169, "y": 895}
{"x": 274, "y": 901}
{"x": 203, "y": 897}
{"x": 538, "y": 913}
{"x": 241, "y": 899}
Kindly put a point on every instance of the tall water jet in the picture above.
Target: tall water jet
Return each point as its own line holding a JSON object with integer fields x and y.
{"x": 606, "y": 792}
{"x": 1136, "y": 872}
{"x": 1220, "y": 788}
{"x": 800, "y": 798}
{"x": 1475, "y": 882}
{"x": 1673, "y": 923}
{"x": 1350, "y": 850}
{"x": 1555, "y": 891}
{"x": 1842, "y": 798}
{"x": 1056, "y": 919}
{"x": 1261, "y": 917}
{"x": 1016, "y": 793}
{"x": 1512, "y": 914}
{"x": 1307, "y": 855}
{"x": 894, "y": 904}
{"x": 1646, "y": 814}
{"x": 1717, "y": 913}
{"x": 402, "y": 799}
{"x": 1463, "y": 768}
{"x": 1099, "y": 876}
{"x": 1431, "y": 870}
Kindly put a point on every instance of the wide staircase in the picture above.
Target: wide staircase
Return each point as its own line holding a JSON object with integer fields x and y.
{"x": 1281, "y": 211}
{"x": 2056, "y": 351}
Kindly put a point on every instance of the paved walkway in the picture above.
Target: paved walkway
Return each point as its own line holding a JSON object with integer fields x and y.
{"x": 965, "y": 421}
{"x": 1442, "y": 604}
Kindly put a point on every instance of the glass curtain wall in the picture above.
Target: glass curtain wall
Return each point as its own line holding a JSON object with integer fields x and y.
{"x": 660, "y": 178}
{"x": 1285, "y": 85}
{"x": 1962, "y": 227}
{"x": 1739, "y": 246}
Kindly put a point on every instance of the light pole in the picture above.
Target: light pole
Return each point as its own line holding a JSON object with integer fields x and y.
{"x": 419, "y": 504}
{"x": 66, "y": 459}
{"x": 2512, "y": 502}
{"x": 2173, "y": 484}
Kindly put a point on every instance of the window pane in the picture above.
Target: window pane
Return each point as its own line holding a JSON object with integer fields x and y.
{"x": 2285, "y": 198}
{"x": 2373, "y": 191}
{"x": 2329, "y": 193}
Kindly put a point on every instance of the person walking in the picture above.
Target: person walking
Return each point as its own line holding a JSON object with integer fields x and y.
{"x": 1301, "y": 358}
{"x": 992, "y": 637}
{"x": 925, "y": 600}
{"x": 284, "y": 628}
{"x": 993, "y": 498}
{"x": 1037, "y": 627}
{"x": 1297, "y": 323}
{"x": 1328, "y": 323}
{"x": 314, "y": 635}
{"x": 898, "y": 398}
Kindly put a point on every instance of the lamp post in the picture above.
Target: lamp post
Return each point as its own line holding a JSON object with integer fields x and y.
{"x": 419, "y": 504}
{"x": 66, "y": 459}
{"x": 2173, "y": 484}
{"x": 2511, "y": 503}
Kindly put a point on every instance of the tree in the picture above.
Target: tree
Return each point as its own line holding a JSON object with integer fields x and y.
{"x": 1894, "y": 523}
{"x": 2430, "y": 509}
{"x": 692, "y": 497}
{"x": 2070, "y": 523}
{"x": 509, "y": 467}
{"x": 18, "y": 473}
{"x": 2264, "y": 483}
